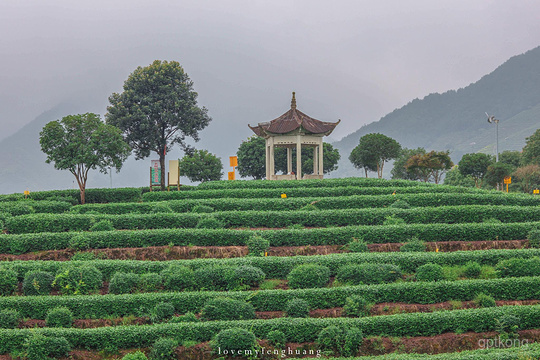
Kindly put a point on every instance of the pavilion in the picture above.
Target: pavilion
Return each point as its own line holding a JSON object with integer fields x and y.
{"x": 294, "y": 129}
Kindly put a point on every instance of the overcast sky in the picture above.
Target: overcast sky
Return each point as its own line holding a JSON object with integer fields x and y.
{"x": 350, "y": 60}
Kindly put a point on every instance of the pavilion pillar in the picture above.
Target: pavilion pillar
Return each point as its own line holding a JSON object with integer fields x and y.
{"x": 267, "y": 150}
{"x": 289, "y": 160}
{"x": 272, "y": 161}
{"x": 321, "y": 169}
{"x": 298, "y": 157}
{"x": 315, "y": 160}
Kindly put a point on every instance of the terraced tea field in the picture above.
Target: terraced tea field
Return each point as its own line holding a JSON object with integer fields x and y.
{"x": 271, "y": 269}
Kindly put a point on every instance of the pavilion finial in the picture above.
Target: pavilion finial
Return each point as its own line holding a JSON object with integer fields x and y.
{"x": 293, "y": 101}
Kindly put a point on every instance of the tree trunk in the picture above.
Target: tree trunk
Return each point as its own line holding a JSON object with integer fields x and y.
{"x": 83, "y": 200}
{"x": 365, "y": 169}
{"x": 163, "y": 172}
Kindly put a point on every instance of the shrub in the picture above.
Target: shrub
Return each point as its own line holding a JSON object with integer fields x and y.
{"x": 330, "y": 338}
{"x": 40, "y": 347}
{"x": 123, "y": 283}
{"x": 59, "y": 317}
{"x": 202, "y": 209}
{"x": 67, "y": 199}
{"x": 297, "y": 308}
{"x": 357, "y": 245}
{"x": 519, "y": 267}
{"x": 413, "y": 246}
{"x": 9, "y": 319}
{"x": 163, "y": 349}
{"x": 353, "y": 340}
{"x": 161, "y": 208}
{"x": 217, "y": 277}
{"x": 429, "y": 272}
{"x": 137, "y": 355}
{"x": 83, "y": 256}
{"x": 80, "y": 242}
{"x": 507, "y": 324}
{"x": 400, "y": 204}
{"x": 492, "y": 221}
{"x": 309, "y": 207}
{"x": 150, "y": 282}
{"x": 161, "y": 312}
{"x": 483, "y": 300}
{"x": 356, "y": 306}
{"x": 178, "y": 278}
{"x": 534, "y": 238}
{"x": 21, "y": 209}
{"x": 368, "y": 274}
{"x": 308, "y": 276}
{"x": 37, "y": 283}
{"x": 393, "y": 220}
{"x": 187, "y": 317}
{"x": 210, "y": 222}
{"x": 234, "y": 339}
{"x": 276, "y": 338}
{"x": 246, "y": 275}
{"x": 103, "y": 225}
{"x": 77, "y": 280}
{"x": 472, "y": 269}
{"x": 257, "y": 245}
{"x": 227, "y": 309}
{"x": 8, "y": 282}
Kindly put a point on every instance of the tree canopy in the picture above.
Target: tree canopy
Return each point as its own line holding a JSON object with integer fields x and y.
{"x": 156, "y": 110}
{"x": 373, "y": 150}
{"x": 80, "y": 143}
{"x": 531, "y": 151}
{"x": 497, "y": 172}
{"x": 399, "y": 171}
{"x": 475, "y": 165}
{"x": 455, "y": 178}
{"x": 202, "y": 166}
{"x": 432, "y": 165}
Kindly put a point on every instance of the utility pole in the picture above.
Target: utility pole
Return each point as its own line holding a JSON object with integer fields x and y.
{"x": 492, "y": 120}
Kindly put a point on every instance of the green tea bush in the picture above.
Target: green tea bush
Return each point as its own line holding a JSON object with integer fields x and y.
{"x": 368, "y": 274}
{"x": 78, "y": 280}
{"x": 297, "y": 308}
{"x": 123, "y": 283}
{"x": 150, "y": 282}
{"x": 308, "y": 276}
{"x": 393, "y": 220}
{"x": 8, "y": 282}
{"x": 187, "y": 317}
{"x": 234, "y": 339}
{"x": 37, "y": 283}
{"x": 40, "y": 347}
{"x": 309, "y": 207}
{"x": 492, "y": 221}
{"x": 483, "y": 300}
{"x": 400, "y": 204}
{"x": 80, "y": 242}
{"x": 357, "y": 245}
{"x": 223, "y": 308}
{"x": 162, "y": 312}
{"x": 137, "y": 355}
{"x": 9, "y": 318}
{"x": 201, "y": 209}
{"x": 20, "y": 208}
{"x": 330, "y": 339}
{"x": 103, "y": 225}
{"x": 83, "y": 256}
{"x": 518, "y": 267}
{"x": 178, "y": 278}
{"x": 430, "y": 272}
{"x": 210, "y": 222}
{"x": 356, "y": 306}
{"x": 534, "y": 238}
{"x": 276, "y": 338}
{"x": 68, "y": 199}
{"x": 217, "y": 277}
{"x": 257, "y": 245}
{"x": 472, "y": 270}
{"x": 160, "y": 208}
{"x": 59, "y": 317}
{"x": 353, "y": 340}
{"x": 507, "y": 324}
{"x": 163, "y": 349}
{"x": 414, "y": 245}
{"x": 246, "y": 275}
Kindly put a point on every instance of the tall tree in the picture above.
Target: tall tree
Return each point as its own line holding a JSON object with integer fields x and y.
{"x": 455, "y": 178}
{"x": 80, "y": 143}
{"x": 432, "y": 165}
{"x": 201, "y": 165}
{"x": 157, "y": 109}
{"x": 512, "y": 158}
{"x": 475, "y": 165}
{"x": 374, "y": 149}
{"x": 497, "y": 172}
{"x": 531, "y": 151}
{"x": 399, "y": 171}
{"x": 528, "y": 177}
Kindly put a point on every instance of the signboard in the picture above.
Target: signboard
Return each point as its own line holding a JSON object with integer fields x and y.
{"x": 231, "y": 175}
{"x": 233, "y": 161}
{"x": 155, "y": 173}
{"x": 536, "y": 191}
{"x": 174, "y": 174}
{"x": 283, "y": 196}
{"x": 507, "y": 180}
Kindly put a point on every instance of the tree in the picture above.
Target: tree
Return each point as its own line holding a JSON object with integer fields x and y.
{"x": 475, "y": 165}
{"x": 455, "y": 178}
{"x": 374, "y": 149}
{"x": 157, "y": 109}
{"x": 201, "y": 166}
{"x": 80, "y": 143}
{"x": 399, "y": 171}
{"x": 432, "y": 165}
{"x": 528, "y": 177}
{"x": 531, "y": 151}
{"x": 497, "y": 172}
{"x": 252, "y": 158}
{"x": 512, "y": 158}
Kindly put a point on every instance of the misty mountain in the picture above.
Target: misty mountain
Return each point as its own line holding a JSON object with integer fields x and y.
{"x": 456, "y": 120}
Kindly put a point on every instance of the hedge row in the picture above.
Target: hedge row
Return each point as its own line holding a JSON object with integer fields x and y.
{"x": 23, "y": 243}
{"x": 278, "y": 267}
{"x": 16, "y": 208}
{"x": 295, "y": 329}
{"x": 91, "y": 195}
{"x": 325, "y": 203}
{"x": 36, "y": 223}
{"x": 100, "y": 306}
{"x": 304, "y": 192}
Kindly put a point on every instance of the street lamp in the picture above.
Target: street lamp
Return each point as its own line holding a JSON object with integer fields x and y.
{"x": 491, "y": 120}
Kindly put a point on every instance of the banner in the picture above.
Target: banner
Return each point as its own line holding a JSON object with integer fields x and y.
{"x": 155, "y": 173}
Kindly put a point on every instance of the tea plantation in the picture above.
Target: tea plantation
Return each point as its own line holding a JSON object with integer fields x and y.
{"x": 338, "y": 268}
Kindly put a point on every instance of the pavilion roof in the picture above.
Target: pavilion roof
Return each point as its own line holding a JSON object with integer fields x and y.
{"x": 292, "y": 120}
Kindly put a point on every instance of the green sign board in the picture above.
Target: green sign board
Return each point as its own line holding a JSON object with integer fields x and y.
{"x": 155, "y": 173}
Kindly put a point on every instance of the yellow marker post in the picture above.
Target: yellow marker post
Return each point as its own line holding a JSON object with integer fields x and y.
{"x": 233, "y": 162}
{"x": 26, "y": 193}
{"x": 231, "y": 175}
{"x": 536, "y": 191}
{"x": 283, "y": 196}
{"x": 507, "y": 180}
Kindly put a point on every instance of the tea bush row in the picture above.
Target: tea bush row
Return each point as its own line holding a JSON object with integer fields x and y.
{"x": 104, "y": 195}
{"x": 16, "y": 208}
